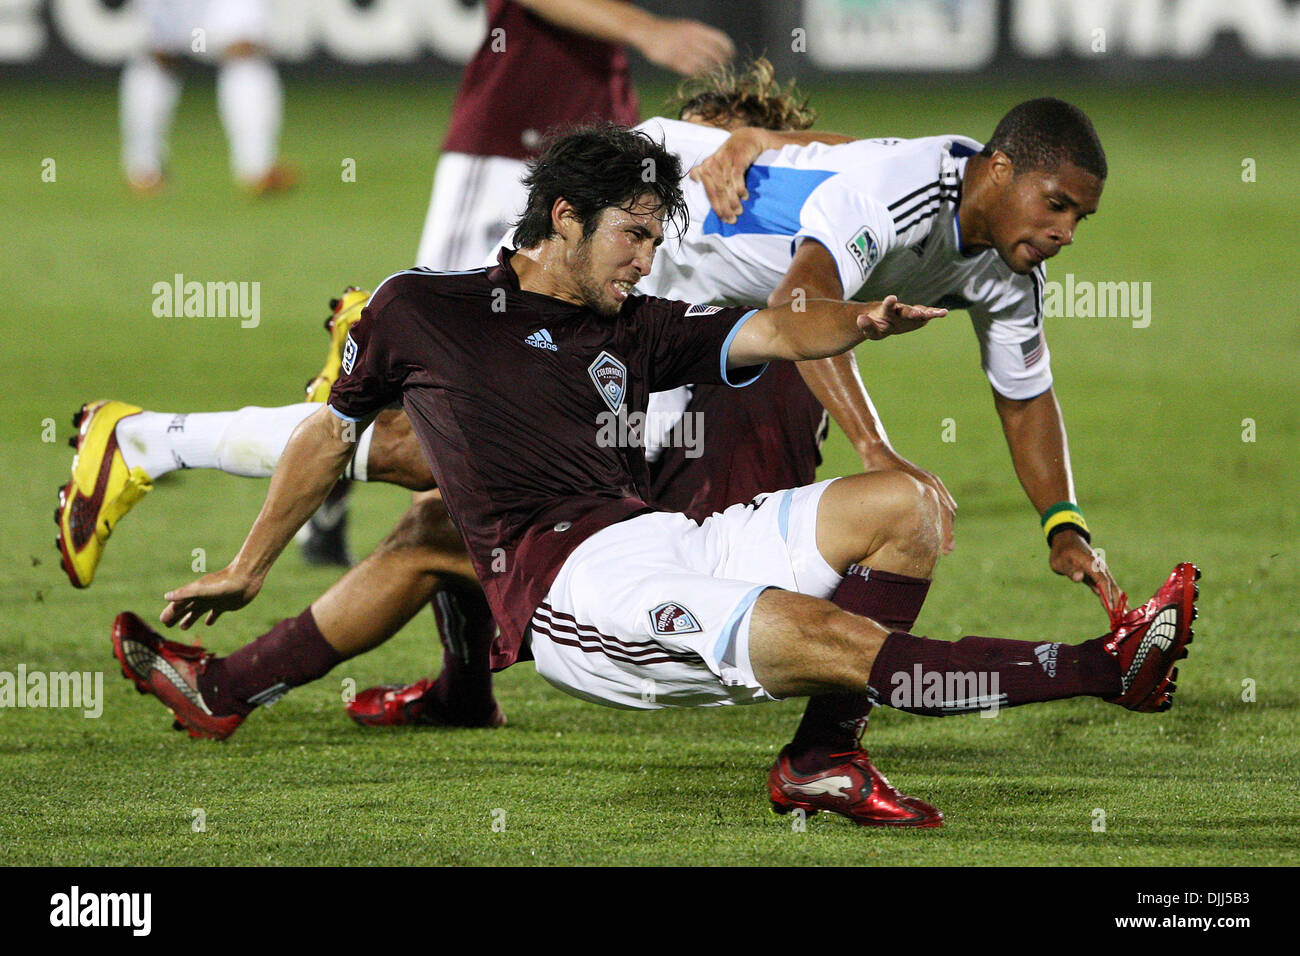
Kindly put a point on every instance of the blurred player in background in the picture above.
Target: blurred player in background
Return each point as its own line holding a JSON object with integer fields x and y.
{"x": 249, "y": 97}
{"x": 542, "y": 64}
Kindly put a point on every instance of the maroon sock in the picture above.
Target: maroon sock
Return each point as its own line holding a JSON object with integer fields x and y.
{"x": 290, "y": 654}
{"x": 937, "y": 678}
{"x": 463, "y": 691}
{"x": 832, "y": 723}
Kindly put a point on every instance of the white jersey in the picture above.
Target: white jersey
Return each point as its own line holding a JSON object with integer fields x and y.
{"x": 886, "y": 210}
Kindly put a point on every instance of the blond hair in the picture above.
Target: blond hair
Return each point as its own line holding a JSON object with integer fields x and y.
{"x": 750, "y": 96}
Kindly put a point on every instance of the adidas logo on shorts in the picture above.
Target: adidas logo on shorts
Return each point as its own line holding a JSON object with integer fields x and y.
{"x": 541, "y": 339}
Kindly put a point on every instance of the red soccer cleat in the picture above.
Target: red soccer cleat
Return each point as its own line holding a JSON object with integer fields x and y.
{"x": 1151, "y": 639}
{"x": 854, "y": 789}
{"x": 170, "y": 672}
{"x": 413, "y": 705}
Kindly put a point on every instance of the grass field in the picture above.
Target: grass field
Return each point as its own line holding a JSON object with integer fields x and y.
{"x": 1158, "y": 425}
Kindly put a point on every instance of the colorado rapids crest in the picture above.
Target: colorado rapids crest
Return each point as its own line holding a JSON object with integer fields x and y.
{"x": 610, "y": 376}
{"x": 672, "y": 618}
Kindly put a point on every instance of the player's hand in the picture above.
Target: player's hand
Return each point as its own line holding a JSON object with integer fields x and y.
{"x": 212, "y": 594}
{"x": 688, "y": 47}
{"x": 1074, "y": 558}
{"x": 892, "y": 317}
{"x": 888, "y": 459}
{"x": 723, "y": 173}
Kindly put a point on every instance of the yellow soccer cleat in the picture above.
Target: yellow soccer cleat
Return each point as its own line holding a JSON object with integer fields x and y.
{"x": 101, "y": 491}
{"x": 346, "y": 310}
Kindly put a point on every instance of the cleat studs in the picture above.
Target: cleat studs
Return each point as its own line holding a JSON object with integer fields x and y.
{"x": 72, "y": 442}
{"x": 1197, "y": 572}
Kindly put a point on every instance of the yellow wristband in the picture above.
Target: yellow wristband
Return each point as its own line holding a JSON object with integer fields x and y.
{"x": 1064, "y": 513}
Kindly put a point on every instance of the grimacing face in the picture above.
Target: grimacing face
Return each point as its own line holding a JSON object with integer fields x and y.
{"x": 607, "y": 264}
{"x": 1037, "y": 212}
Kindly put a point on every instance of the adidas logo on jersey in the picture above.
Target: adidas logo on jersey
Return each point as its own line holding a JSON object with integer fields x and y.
{"x": 541, "y": 339}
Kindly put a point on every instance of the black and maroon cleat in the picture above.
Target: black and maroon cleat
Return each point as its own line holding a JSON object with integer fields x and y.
{"x": 1149, "y": 640}
{"x": 853, "y": 789}
{"x": 415, "y": 704}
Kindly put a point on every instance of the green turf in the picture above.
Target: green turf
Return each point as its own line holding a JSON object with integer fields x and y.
{"x": 1156, "y": 424}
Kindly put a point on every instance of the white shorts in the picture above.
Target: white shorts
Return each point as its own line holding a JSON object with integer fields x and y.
{"x": 475, "y": 201}
{"x": 654, "y": 611}
{"x": 170, "y": 24}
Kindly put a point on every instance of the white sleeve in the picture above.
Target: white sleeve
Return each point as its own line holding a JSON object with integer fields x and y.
{"x": 1013, "y": 344}
{"x": 856, "y": 229}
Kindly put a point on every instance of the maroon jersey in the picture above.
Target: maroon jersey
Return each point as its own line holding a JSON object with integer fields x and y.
{"x": 525, "y": 407}
{"x": 763, "y": 438}
{"x": 530, "y": 76}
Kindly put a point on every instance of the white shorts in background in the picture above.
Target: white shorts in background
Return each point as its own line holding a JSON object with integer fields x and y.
{"x": 654, "y": 611}
{"x": 475, "y": 201}
{"x": 170, "y": 24}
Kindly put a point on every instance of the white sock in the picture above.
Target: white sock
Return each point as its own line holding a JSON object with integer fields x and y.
{"x": 248, "y": 442}
{"x": 251, "y": 103}
{"x": 147, "y": 103}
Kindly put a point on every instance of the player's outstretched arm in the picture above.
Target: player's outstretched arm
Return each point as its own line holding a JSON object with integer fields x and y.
{"x": 687, "y": 47}
{"x": 1039, "y": 450}
{"x": 819, "y": 328}
{"x": 316, "y": 455}
{"x": 722, "y": 173}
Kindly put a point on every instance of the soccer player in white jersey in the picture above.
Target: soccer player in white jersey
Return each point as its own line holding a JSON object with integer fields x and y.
{"x": 249, "y": 97}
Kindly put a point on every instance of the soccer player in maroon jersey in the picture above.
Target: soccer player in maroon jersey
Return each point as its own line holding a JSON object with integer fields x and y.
{"x": 496, "y": 126}
{"x": 508, "y": 376}
{"x": 542, "y": 64}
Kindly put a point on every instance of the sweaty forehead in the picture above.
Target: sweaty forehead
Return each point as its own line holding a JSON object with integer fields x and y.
{"x": 647, "y": 213}
{"x": 1073, "y": 184}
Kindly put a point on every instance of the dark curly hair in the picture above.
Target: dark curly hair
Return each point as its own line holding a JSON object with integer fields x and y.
{"x": 751, "y": 95}
{"x": 1043, "y": 133}
{"x": 597, "y": 167}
